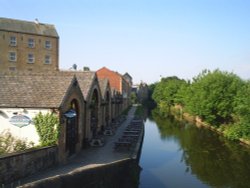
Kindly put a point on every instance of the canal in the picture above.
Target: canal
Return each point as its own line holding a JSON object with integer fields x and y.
{"x": 177, "y": 154}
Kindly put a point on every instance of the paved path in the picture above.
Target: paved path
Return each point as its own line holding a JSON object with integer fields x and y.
{"x": 89, "y": 157}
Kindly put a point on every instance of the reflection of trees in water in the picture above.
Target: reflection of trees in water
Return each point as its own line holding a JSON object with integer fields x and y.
{"x": 208, "y": 156}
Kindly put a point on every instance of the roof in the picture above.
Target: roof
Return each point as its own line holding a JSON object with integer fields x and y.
{"x": 103, "y": 83}
{"x": 35, "y": 28}
{"x": 127, "y": 75}
{"x": 84, "y": 78}
{"x": 34, "y": 91}
{"x": 114, "y": 77}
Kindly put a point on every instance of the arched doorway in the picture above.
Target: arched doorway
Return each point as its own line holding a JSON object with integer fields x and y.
{"x": 72, "y": 121}
{"x": 94, "y": 113}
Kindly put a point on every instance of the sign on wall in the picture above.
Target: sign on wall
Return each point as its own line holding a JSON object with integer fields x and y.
{"x": 20, "y": 120}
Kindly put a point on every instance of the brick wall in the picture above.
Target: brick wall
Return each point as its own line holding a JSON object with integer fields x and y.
{"x": 114, "y": 78}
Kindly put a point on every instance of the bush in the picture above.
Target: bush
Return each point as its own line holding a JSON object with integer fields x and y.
{"x": 47, "y": 127}
{"x": 237, "y": 131}
{"x": 9, "y": 144}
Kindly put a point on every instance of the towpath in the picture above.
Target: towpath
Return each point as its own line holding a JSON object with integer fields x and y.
{"x": 88, "y": 157}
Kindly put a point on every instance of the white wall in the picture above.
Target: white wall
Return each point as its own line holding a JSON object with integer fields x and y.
{"x": 27, "y": 132}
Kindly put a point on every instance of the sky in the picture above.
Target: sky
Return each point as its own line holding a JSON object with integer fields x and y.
{"x": 149, "y": 39}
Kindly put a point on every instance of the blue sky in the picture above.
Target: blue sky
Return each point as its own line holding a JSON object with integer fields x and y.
{"x": 146, "y": 38}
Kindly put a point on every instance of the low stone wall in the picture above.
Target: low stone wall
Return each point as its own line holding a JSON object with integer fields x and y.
{"x": 122, "y": 174}
{"x": 21, "y": 164}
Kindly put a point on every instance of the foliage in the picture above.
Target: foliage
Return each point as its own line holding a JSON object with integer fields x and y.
{"x": 133, "y": 98}
{"x": 217, "y": 97}
{"x": 9, "y": 144}
{"x": 47, "y": 127}
{"x": 150, "y": 103}
{"x": 212, "y": 95}
{"x": 166, "y": 92}
{"x": 242, "y": 102}
{"x": 237, "y": 131}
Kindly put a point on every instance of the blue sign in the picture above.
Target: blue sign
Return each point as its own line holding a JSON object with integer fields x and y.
{"x": 70, "y": 114}
{"x": 20, "y": 120}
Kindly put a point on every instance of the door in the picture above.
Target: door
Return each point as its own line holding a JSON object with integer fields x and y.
{"x": 71, "y": 134}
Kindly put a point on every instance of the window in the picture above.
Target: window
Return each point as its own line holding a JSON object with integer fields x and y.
{"x": 31, "y": 58}
{"x": 47, "y": 59}
{"x": 13, "y": 41}
{"x": 47, "y": 44}
{"x": 31, "y": 43}
{"x": 12, "y": 56}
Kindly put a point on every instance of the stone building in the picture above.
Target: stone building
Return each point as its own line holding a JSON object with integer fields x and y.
{"x": 106, "y": 102}
{"x": 129, "y": 80}
{"x": 117, "y": 82}
{"x": 28, "y": 46}
{"x": 23, "y": 96}
{"x": 90, "y": 88}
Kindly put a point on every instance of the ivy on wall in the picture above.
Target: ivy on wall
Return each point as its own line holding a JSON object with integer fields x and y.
{"x": 47, "y": 127}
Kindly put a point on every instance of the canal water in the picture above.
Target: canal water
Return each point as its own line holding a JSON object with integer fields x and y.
{"x": 178, "y": 154}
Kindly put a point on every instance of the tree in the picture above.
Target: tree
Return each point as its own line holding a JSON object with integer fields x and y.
{"x": 212, "y": 96}
{"x": 166, "y": 92}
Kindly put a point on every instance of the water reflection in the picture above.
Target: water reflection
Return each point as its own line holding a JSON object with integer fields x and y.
{"x": 177, "y": 154}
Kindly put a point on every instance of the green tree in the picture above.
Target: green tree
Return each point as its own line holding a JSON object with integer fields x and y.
{"x": 133, "y": 98}
{"x": 212, "y": 95}
{"x": 166, "y": 92}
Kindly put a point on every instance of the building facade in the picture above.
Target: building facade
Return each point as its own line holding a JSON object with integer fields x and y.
{"x": 106, "y": 102}
{"x": 25, "y": 96}
{"x": 119, "y": 84}
{"x": 28, "y": 46}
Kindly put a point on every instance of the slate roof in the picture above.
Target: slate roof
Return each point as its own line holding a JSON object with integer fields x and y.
{"x": 103, "y": 83}
{"x": 35, "y": 91}
{"x": 20, "y": 26}
{"x": 84, "y": 78}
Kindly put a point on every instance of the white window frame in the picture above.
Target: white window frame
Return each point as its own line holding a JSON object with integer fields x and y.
{"x": 12, "y": 56}
{"x": 48, "y": 44}
{"x": 31, "y": 43}
{"x": 31, "y": 58}
{"x": 13, "y": 41}
{"x": 47, "y": 60}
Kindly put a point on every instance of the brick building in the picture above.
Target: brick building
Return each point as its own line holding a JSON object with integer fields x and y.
{"x": 119, "y": 84}
{"x": 28, "y": 46}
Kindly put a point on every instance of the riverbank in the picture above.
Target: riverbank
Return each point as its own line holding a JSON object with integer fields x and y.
{"x": 179, "y": 114}
{"x": 94, "y": 165}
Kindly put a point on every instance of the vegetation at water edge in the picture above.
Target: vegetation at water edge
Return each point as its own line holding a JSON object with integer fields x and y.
{"x": 218, "y": 98}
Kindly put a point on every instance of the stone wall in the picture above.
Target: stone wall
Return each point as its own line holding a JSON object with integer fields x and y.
{"x": 122, "y": 174}
{"x": 22, "y": 50}
{"x": 22, "y": 164}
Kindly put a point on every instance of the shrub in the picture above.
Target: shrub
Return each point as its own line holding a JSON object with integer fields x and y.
{"x": 47, "y": 127}
{"x": 9, "y": 143}
{"x": 237, "y": 131}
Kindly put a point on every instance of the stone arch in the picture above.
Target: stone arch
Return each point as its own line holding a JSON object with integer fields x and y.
{"x": 107, "y": 108}
{"x": 94, "y": 113}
